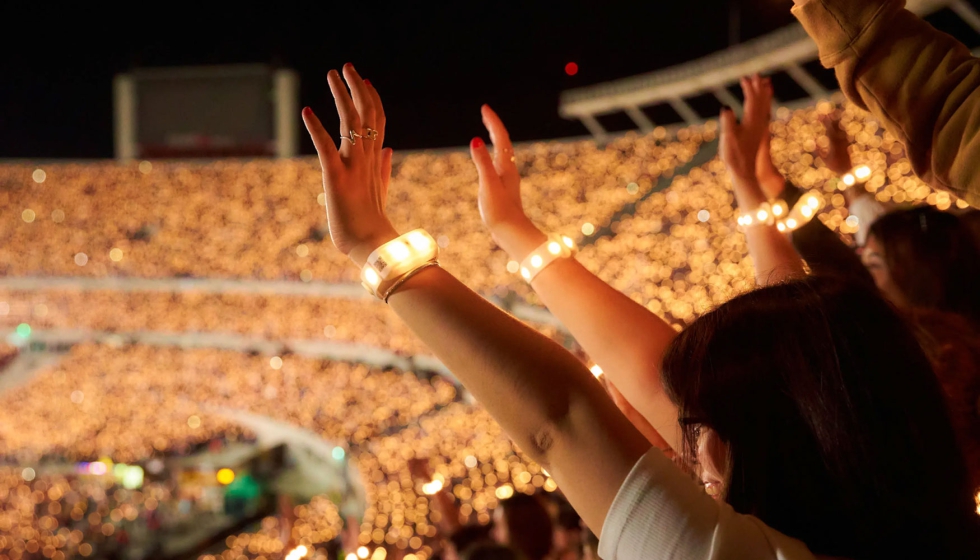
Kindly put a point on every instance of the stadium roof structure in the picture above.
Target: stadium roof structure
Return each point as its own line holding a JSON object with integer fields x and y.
{"x": 784, "y": 50}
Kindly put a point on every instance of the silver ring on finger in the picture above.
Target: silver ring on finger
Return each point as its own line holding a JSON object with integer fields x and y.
{"x": 353, "y": 136}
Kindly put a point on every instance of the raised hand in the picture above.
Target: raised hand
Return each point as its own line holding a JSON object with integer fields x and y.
{"x": 771, "y": 180}
{"x": 836, "y": 156}
{"x": 500, "y": 190}
{"x": 355, "y": 177}
{"x": 740, "y": 141}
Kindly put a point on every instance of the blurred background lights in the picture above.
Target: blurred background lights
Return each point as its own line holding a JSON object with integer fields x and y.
{"x": 504, "y": 492}
{"x": 145, "y": 167}
{"x": 28, "y": 215}
{"x": 116, "y": 254}
{"x": 39, "y": 175}
{"x": 57, "y": 216}
{"x": 363, "y": 552}
{"x": 28, "y": 474}
{"x": 81, "y": 259}
{"x": 194, "y": 422}
{"x": 338, "y": 453}
{"x": 588, "y": 229}
{"x": 704, "y": 216}
{"x": 225, "y": 476}
{"x": 23, "y": 330}
{"x": 571, "y": 68}
{"x": 275, "y": 362}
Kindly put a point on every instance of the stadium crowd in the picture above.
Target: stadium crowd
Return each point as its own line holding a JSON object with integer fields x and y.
{"x": 820, "y": 379}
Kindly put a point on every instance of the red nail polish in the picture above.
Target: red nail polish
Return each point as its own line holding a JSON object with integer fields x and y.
{"x": 307, "y": 112}
{"x": 476, "y": 143}
{"x": 367, "y": 81}
{"x": 348, "y": 65}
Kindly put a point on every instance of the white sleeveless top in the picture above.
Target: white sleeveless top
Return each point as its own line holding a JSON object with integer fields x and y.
{"x": 659, "y": 512}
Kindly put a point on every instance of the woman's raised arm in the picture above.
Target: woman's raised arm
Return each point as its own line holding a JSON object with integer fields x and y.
{"x": 543, "y": 396}
{"x": 623, "y": 337}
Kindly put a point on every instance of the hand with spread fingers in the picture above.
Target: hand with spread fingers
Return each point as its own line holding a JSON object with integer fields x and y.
{"x": 500, "y": 190}
{"x": 740, "y": 141}
{"x": 355, "y": 175}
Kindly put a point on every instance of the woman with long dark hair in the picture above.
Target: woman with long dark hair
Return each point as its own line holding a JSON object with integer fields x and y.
{"x": 871, "y": 444}
{"x": 925, "y": 258}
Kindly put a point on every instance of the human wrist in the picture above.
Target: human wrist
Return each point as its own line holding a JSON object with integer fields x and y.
{"x": 360, "y": 253}
{"x": 518, "y": 238}
{"x": 748, "y": 191}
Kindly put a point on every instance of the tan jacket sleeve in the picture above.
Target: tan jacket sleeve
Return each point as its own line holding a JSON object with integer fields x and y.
{"x": 922, "y": 84}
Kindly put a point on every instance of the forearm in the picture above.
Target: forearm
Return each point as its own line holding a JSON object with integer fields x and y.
{"x": 623, "y": 337}
{"x": 543, "y": 396}
{"x": 921, "y": 83}
{"x": 773, "y": 256}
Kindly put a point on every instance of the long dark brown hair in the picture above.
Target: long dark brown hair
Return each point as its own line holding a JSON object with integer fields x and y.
{"x": 836, "y": 427}
{"x": 933, "y": 259}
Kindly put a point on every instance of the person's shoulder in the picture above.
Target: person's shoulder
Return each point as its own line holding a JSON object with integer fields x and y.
{"x": 784, "y": 546}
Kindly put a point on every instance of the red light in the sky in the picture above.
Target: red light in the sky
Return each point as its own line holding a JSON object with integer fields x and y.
{"x": 571, "y": 68}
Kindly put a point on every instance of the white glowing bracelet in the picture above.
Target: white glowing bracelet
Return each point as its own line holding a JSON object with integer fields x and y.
{"x": 859, "y": 174}
{"x": 803, "y": 211}
{"x": 766, "y": 214}
{"x": 785, "y": 220}
{"x": 395, "y": 261}
{"x": 556, "y": 247}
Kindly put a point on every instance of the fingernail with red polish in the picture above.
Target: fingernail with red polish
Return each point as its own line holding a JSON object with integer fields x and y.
{"x": 476, "y": 143}
{"x": 349, "y": 65}
{"x": 307, "y": 112}
{"x": 367, "y": 81}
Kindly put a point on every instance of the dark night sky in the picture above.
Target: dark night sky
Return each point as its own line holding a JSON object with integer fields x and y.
{"x": 434, "y": 63}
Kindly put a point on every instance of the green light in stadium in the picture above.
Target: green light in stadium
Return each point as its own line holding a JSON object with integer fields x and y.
{"x": 24, "y": 330}
{"x": 338, "y": 453}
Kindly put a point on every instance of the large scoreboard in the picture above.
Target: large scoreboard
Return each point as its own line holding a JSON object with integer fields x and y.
{"x": 208, "y": 111}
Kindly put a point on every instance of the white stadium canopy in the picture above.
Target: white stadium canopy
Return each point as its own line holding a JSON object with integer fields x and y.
{"x": 785, "y": 50}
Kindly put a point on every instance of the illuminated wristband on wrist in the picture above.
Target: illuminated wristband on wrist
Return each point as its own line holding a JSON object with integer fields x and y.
{"x": 765, "y": 214}
{"x": 556, "y": 247}
{"x": 803, "y": 211}
{"x": 394, "y": 262}
{"x": 859, "y": 174}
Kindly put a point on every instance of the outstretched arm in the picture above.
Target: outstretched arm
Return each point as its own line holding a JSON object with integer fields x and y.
{"x": 543, "y": 396}
{"x": 921, "y": 83}
{"x": 623, "y": 337}
{"x": 773, "y": 255}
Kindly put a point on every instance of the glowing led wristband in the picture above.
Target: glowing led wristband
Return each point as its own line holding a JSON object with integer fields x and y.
{"x": 776, "y": 213}
{"x": 395, "y": 261}
{"x": 803, "y": 211}
{"x": 766, "y": 214}
{"x": 859, "y": 174}
{"x": 556, "y": 247}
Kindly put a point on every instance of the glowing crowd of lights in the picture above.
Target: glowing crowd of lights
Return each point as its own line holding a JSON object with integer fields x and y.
{"x": 679, "y": 254}
{"x": 59, "y": 517}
